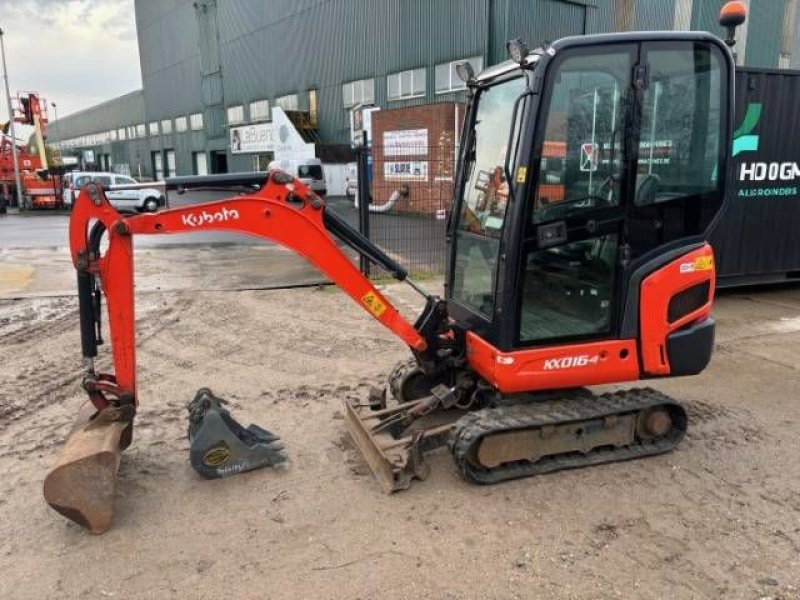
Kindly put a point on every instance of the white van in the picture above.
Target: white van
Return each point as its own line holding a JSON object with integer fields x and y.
{"x": 307, "y": 170}
{"x": 142, "y": 199}
{"x": 351, "y": 181}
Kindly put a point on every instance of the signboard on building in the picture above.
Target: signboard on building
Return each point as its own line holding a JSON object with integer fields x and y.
{"x": 405, "y": 142}
{"x": 278, "y": 136}
{"x": 361, "y": 122}
{"x": 405, "y": 170}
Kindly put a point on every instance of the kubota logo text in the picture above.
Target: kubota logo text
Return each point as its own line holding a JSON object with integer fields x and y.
{"x": 206, "y": 218}
{"x": 568, "y": 362}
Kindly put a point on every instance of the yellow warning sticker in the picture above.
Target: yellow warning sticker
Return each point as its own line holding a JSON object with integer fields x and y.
{"x": 373, "y": 303}
{"x": 704, "y": 263}
{"x": 522, "y": 174}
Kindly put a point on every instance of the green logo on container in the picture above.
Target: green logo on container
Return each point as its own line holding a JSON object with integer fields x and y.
{"x": 743, "y": 139}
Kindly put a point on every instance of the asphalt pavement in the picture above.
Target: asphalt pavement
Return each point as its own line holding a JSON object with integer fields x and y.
{"x": 417, "y": 242}
{"x": 46, "y": 229}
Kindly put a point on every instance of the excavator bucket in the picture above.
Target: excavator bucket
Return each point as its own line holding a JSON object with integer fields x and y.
{"x": 81, "y": 485}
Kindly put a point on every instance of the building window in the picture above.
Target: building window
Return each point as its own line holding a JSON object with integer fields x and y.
{"x": 261, "y": 161}
{"x": 166, "y": 126}
{"x": 235, "y": 115}
{"x": 358, "y": 92}
{"x": 170, "y": 163}
{"x": 121, "y": 134}
{"x": 200, "y": 163}
{"x": 111, "y": 136}
{"x": 406, "y": 84}
{"x": 152, "y": 128}
{"x": 447, "y": 79}
{"x": 196, "y": 121}
{"x": 287, "y": 102}
{"x": 140, "y": 130}
{"x": 312, "y": 107}
{"x": 259, "y": 110}
{"x": 158, "y": 165}
{"x": 180, "y": 124}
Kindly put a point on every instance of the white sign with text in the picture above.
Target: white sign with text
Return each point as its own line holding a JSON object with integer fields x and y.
{"x": 406, "y": 142}
{"x": 279, "y": 137}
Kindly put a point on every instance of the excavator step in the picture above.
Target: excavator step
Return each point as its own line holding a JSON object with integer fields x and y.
{"x": 508, "y": 442}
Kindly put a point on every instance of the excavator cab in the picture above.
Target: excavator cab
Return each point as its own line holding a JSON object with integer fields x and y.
{"x": 552, "y": 252}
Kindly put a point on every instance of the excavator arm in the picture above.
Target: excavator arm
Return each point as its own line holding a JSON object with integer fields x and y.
{"x": 284, "y": 210}
{"x": 82, "y": 483}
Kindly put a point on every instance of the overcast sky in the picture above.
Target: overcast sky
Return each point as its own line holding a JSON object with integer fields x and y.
{"x": 75, "y": 53}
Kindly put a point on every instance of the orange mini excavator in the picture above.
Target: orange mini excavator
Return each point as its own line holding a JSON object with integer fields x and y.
{"x": 612, "y": 282}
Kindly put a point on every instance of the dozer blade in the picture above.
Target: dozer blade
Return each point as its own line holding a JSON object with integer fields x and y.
{"x": 81, "y": 485}
{"x": 393, "y": 459}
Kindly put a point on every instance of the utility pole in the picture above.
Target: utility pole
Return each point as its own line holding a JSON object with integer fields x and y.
{"x": 11, "y": 122}
{"x": 58, "y": 134}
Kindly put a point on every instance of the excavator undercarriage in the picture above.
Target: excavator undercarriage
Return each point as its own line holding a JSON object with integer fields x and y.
{"x": 512, "y": 436}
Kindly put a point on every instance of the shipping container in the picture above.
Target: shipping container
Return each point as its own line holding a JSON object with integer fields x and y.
{"x": 758, "y": 238}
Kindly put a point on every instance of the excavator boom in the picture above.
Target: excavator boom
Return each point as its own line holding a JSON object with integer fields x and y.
{"x": 283, "y": 210}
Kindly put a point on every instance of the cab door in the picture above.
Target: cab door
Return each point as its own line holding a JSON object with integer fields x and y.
{"x": 574, "y": 236}
{"x": 629, "y": 168}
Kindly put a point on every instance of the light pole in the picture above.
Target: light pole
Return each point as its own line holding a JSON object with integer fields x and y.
{"x": 58, "y": 134}
{"x": 11, "y": 122}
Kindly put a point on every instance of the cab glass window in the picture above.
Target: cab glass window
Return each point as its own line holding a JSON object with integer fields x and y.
{"x": 567, "y": 290}
{"x": 581, "y": 154}
{"x": 680, "y": 131}
{"x": 486, "y": 191}
{"x": 483, "y": 208}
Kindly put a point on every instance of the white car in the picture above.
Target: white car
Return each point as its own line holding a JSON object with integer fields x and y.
{"x": 143, "y": 199}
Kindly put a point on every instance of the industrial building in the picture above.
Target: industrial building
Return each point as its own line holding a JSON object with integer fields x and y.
{"x": 213, "y": 70}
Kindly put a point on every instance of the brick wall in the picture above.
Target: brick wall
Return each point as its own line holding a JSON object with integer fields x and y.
{"x": 416, "y": 147}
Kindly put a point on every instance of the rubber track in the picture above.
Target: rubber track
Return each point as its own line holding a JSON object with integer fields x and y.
{"x": 470, "y": 429}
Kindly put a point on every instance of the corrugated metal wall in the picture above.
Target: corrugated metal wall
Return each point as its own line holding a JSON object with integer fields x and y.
{"x": 654, "y": 15}
{"x": 764, "y": 33}
{"x": 756, "y": 237}
{"x": 252, "y": 50}
{"x": 796, "y": 54}
{"x": 763, "y": 28}
{"x": 123, "y": 110}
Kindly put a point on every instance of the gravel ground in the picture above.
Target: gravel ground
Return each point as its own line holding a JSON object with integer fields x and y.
{"x": 717, "y": 518}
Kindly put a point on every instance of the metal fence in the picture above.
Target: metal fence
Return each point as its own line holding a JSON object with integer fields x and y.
{"x": 409, "y": 195}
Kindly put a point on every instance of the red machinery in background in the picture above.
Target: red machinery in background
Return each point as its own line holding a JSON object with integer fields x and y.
{"x": 40, "y": 187}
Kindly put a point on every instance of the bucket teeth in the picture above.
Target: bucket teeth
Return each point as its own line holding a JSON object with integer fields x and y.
{"x": 82, "y": 483}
